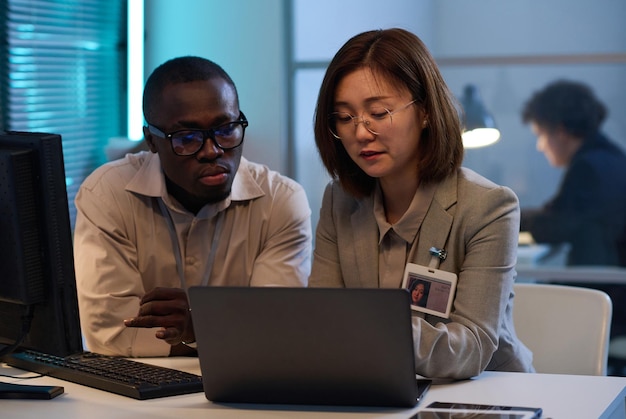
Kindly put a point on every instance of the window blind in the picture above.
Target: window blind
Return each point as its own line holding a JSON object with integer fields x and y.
{"x": 63, "y": 72}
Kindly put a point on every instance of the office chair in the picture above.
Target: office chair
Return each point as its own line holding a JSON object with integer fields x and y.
{"x": 566, "y": 327}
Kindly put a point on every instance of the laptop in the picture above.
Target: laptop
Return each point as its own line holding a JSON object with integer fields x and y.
{"x": 308, "y": 346}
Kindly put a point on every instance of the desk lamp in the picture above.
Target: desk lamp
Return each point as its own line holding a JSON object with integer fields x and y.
{"x": 479, "y": 127}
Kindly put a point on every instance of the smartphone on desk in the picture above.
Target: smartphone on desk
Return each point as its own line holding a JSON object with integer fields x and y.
{"x": 441, "y": 410}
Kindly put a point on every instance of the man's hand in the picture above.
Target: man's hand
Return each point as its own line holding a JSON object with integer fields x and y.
{"x": 167, "y": 308}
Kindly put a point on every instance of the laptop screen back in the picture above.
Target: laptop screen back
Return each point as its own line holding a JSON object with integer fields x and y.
{"x": 305, "y": 345}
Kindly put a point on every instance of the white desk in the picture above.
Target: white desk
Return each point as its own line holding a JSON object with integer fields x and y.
{"x": 560, "y": 396}
{"x": 573, "y": 274}
{"x": 536, "y": 264}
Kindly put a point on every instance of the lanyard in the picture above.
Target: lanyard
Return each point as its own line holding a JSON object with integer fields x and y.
{"x": 176, "y": 246}
{"x": 436, "y": 255}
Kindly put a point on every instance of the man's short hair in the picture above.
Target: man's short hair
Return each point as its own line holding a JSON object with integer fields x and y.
{"x": 180, "y": 70}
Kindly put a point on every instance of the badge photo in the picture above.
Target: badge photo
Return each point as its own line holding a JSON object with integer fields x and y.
{"x": 432, "y": 290}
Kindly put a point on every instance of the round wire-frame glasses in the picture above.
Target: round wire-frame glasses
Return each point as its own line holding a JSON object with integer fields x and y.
{"x": 187, "y": 142}
{"x": 375, "y": 123}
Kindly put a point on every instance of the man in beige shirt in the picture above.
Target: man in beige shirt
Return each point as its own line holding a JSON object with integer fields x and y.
{"x": 192, "y": 211}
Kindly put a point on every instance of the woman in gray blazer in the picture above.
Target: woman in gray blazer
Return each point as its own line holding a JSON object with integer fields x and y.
{"x": 388, "y": 132}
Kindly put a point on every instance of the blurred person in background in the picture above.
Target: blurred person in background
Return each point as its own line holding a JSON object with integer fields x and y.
{"x": 588, "y": 210}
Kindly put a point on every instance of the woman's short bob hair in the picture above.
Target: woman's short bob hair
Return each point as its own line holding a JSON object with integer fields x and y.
{"x": 404, "y": 61}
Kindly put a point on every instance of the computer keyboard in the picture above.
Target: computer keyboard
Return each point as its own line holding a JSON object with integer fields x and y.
{"x": 116, "y": 375}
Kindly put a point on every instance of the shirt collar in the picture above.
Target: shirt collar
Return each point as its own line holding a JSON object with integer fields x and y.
{"x": 409, "y": 225}
{"x": 150, "y": 181}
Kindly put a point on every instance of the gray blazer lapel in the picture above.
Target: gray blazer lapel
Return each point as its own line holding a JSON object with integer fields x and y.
{"x": 438, "y": 221}
{"x": 365, "y": 232}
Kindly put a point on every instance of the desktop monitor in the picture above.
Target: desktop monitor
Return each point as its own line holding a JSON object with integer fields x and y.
{"x": 38, "y": 303}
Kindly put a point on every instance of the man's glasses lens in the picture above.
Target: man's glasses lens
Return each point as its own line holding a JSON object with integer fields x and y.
{"x": 189, "y": 141}
{"x": 226, "y": 136}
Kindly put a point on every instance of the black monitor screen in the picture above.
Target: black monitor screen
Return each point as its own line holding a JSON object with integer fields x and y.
{"x": 36, "y": 260}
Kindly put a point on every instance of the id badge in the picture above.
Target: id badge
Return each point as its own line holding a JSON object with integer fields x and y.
{"x": 432, "y": 290}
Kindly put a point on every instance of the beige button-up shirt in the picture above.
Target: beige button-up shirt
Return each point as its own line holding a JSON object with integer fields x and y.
{"x": 123, "y": 246}
{"x": 397, "y": 242}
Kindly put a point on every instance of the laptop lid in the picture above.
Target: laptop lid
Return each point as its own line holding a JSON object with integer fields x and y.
{"x": 306, "y": 346}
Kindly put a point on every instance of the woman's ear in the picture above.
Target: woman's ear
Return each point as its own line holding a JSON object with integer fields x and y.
{"x": 424, "y": 117}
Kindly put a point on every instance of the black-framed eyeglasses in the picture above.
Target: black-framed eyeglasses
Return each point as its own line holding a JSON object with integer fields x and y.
{"x": 186, "y": 142}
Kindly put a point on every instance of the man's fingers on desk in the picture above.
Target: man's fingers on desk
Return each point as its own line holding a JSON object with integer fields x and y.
{"x": 144, "y": 321}
{"x": 171, "y": 335}
{"x": 166, "y": 322}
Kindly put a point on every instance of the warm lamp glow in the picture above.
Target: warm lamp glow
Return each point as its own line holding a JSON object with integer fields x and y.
{"x": 480, "y": 137}
{"x": 479, "y": 127}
